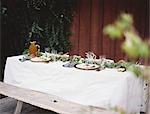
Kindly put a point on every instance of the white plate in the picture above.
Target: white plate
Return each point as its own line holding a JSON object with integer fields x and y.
{"x": 85, "y": 66}
{"x": 38, "y": 59}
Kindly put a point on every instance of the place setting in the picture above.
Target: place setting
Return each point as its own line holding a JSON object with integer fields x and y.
{"x": 90, "y": 62}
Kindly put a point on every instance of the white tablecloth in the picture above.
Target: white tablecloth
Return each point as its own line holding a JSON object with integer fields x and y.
{"x": 107, "y": 88}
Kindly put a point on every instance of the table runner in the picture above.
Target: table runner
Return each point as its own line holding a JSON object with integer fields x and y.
{"x": 106, "y": 89}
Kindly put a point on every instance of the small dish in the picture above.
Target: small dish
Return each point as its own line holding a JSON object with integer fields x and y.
{"x": 121, "y": 69}
{"x": 85, "y": 66}
{"x": 38, "y": 59}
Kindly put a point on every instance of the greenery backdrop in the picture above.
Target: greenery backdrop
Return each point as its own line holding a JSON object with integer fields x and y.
{"x": 47, "y": 21}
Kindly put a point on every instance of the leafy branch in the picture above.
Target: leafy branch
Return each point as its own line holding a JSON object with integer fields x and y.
{"x": 133, "y": 45}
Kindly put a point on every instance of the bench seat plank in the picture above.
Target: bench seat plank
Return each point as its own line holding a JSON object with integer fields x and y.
{"x": 49, "y": 102}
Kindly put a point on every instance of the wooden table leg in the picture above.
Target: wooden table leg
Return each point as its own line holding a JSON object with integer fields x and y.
{"x": 148, "y": 104}
{"x": 18, "y": 107}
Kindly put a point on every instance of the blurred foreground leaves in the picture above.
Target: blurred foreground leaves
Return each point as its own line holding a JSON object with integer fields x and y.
{"x": 133, "y": 46}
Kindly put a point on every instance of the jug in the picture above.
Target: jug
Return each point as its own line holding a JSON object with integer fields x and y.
{"x": 33, "y": 49}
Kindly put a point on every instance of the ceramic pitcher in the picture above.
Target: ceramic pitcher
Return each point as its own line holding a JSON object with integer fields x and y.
{"x": 33, "y": 49}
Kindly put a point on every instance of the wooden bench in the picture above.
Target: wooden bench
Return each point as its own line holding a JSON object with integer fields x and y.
{"x": 47, "y": 101}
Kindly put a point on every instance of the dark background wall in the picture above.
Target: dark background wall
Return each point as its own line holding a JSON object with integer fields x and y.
{"x": 92, "y": 15}
{"x": 90, "y": 18}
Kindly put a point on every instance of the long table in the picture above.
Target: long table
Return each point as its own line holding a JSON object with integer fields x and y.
{"x": 106, "y": 89}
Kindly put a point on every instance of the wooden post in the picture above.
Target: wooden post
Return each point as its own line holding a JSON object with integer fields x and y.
{"x": 148, "y": 103}
{"x": 18, "y": 107}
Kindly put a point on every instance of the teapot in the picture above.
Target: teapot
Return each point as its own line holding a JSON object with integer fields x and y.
{"x": 33, "y": 49}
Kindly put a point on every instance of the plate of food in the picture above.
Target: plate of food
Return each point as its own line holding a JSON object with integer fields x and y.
{"x": 85, "y": 66}
{"x": 39, "y": 59}
{"x": 121, "y": 69}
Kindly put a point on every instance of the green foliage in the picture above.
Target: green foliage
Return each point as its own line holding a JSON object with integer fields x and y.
{"x": 109, "y": 65}
{"x": 46, "y": 21}
{"x": 113, "y": 31}
{"x": 130, "y": 66}
{"x": 51, "y": 21}
{"x": 25, "y": 51}
{"x": 116, "y": 30}
{"x": 136, "y": 70}
{"x": 133, "y": 46}
{"x": 124, "y": 22}
{"x": 123, "y": 63}
{"x": 36, "y": 29}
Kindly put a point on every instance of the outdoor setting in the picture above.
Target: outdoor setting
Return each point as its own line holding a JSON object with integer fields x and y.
{"x": 75, "y": 57}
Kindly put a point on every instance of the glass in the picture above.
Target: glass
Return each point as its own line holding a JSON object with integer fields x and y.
{"x": 90, "y": 57}
{"x": 102, "y": 60}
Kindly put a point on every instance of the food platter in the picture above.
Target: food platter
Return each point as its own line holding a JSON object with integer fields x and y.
{"x": 121, "y": 69}
{"x": 38, "y": 59}
{"x": 85, "y": 66}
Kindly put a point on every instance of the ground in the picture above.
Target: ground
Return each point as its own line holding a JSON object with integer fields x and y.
{"x": 7, "y": 106}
